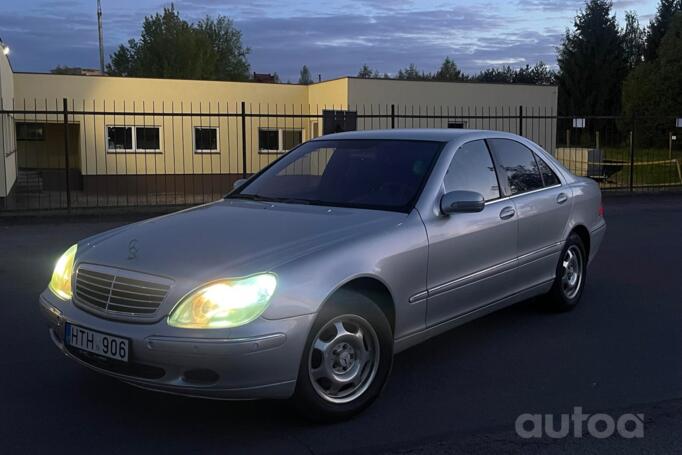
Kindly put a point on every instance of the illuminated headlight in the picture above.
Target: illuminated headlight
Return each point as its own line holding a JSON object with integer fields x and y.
{"x": 224, "y": 303}
{"x": 60, "y": 284}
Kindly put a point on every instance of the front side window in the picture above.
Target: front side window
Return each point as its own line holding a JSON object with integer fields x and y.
{"x": 373, "y": 174}
{"x": 517, "y": 164}
{"x": 472, "y": 169}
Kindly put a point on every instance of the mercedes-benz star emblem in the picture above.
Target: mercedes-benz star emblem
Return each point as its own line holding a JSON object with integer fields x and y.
{"x": 132, "y": 249}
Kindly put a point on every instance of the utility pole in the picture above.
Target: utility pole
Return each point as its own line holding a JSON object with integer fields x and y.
{"x": 101, "y": 36}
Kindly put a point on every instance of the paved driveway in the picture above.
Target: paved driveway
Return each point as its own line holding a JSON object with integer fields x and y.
{"x": 620, "y": 350}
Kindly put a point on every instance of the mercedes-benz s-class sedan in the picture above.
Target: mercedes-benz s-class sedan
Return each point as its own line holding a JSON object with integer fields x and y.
{"x": 307, "y": 278}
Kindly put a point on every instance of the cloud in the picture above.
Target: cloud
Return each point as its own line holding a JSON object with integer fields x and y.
{"x": 334, "y": 38}
{"x": 339, "y": 45}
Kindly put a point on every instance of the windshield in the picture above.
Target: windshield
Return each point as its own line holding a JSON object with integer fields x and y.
{"x": 378, "y": 174}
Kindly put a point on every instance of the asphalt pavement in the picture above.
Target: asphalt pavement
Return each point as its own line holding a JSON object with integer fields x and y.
{"x": 619, "y": 352}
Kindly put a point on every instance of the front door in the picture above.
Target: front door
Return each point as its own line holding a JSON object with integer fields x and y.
{"x": 472, "y": 256}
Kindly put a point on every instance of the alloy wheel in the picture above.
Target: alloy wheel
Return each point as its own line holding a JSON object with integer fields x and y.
{"x": 572, "y": 271}
{"x": 344, "y": 358}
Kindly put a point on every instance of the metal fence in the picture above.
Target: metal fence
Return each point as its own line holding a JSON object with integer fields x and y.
{"x": 85, "y": 155}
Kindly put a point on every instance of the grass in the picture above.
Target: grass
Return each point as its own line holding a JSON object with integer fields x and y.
{"x": 655, "y": 174}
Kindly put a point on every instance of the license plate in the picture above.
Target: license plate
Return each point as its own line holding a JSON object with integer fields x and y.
{"x": 96, "y": 342}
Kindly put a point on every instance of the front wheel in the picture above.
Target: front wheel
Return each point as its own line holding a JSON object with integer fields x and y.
{"x": 571, "y": 274}
{"x": 347, "y": 359}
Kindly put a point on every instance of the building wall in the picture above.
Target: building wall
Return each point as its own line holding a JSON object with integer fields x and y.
{"x": 326, "y": 95}
{"x": 8, "y": 164}
{"x": 454, "y": 100}
{"x": 122, "y": 98}
{"x": 111, "y": 101}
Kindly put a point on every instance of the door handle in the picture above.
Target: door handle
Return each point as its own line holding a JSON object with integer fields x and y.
{"x": 561, "y": 198}
{"x": 507, "y": 213}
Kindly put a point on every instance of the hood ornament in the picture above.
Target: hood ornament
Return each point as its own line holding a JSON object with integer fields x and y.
{"x": 132, "y": 249}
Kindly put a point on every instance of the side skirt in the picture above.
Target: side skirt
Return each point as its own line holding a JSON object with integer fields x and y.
{"x": 414, "y": 339}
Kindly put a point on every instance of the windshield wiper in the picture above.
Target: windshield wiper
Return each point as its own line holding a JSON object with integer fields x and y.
{"x": 281, "y": 200}
{"x": 249, "y": 197}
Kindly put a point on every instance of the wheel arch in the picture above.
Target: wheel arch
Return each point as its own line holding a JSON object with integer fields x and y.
{"x": 582, "y": 232}
{"x": 373, "y": 288}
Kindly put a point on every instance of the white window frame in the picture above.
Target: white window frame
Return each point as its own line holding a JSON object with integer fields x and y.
{"x": 134, "y": 139}
{"x": 217, "y": 139}
{"x": 280, "y": 139}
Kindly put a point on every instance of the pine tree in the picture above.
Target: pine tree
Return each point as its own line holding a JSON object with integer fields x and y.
{"x": 305, "y": 77}
{"x": 659, "y": 26}
{"x": 634, "y": 40}
{"x": 592, "y": 63}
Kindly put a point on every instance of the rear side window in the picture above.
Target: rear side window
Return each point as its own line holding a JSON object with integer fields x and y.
{"x": 472, "y": 170}
{"x": 517, "y": 165}
{"x": 549, "y": 178}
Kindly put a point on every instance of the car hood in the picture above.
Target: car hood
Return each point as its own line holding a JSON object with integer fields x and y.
{"x": 230, "y": 238}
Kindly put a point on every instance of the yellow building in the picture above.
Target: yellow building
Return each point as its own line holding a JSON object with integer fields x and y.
{"x": 122, "y": 132}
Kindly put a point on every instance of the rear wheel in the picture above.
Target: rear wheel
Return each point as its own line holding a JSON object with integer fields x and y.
{"x": 571, "y": 274}
{"x": 347, "y": 359}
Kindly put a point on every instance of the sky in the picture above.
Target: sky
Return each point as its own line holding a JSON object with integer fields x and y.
{"x": 334, "y": 38}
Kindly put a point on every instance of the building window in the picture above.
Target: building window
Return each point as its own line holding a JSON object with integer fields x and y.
{"x": 120, "y": 138}
{"x": 291, "y": 138}
{"x": 277, "y": 140}
{"x": 31, "y": 131}
{"x": 147, "y": 139}
{"x": 205, "y": 139}
{"x": 268, "y": 140}
{"x": 144, "y": 139}
{"x": 457, "y": 124}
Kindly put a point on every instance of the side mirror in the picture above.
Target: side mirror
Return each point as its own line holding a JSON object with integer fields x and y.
{"x": 238, "y": 183}
{"x": 461, "y": 201}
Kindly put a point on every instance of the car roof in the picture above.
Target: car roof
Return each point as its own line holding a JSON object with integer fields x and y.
{"x": 420, "y": 134}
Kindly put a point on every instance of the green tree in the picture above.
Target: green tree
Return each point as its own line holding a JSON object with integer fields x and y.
{"x": 658, "y": 26}
{"x": 448, "y": 71}
{"x": 170, "y": 47}
{"x": 367, "y": 73}
{"x": 504, "y": 74}
{"x": 305, "y": 77}
{"x": 592, "y": 63}
{"x": 229, "y": 55}
{"x": 411, "y": 73}
{"x": 653, "y": 90}
{"x": 538, "y": 74}
{"x": 634, "y": 40}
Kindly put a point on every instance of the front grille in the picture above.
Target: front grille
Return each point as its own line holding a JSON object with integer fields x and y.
{"x": 116, "y": 292}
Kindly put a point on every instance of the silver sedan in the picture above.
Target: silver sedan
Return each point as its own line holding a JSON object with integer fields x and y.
{"x": 307, "y": 278}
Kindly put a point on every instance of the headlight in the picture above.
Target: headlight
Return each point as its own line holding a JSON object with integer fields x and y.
{"x": 224, "y": 303}
{"x": 60, "y": 283}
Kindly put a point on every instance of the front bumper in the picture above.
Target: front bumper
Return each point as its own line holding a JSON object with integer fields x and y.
{"x": 259, "y": 360}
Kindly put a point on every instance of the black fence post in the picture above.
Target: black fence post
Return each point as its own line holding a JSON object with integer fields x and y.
{"x": 632, "y": 154}
{"x": 520, "y": 120}
{"x": 65, "y": 105}
{"x": 392, "y": 116}
{"x": 243, "y": 139}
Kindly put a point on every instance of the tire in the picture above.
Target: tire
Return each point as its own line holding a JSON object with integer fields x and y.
{"x": 571, "y": 274}
{"x": 341, "y": 373}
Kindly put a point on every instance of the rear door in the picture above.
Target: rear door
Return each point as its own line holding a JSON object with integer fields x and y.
{"x": 472, "y": 256}
{"x": 542, "y": 204}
